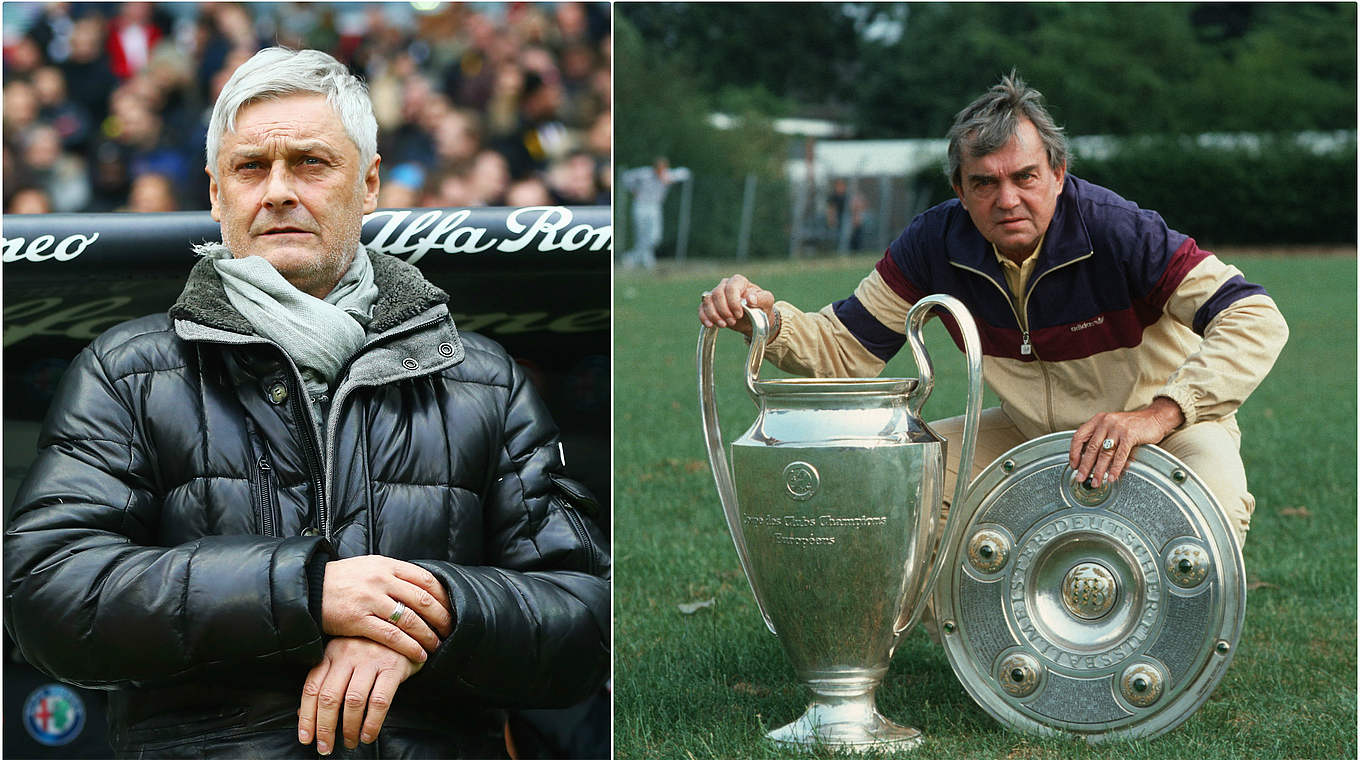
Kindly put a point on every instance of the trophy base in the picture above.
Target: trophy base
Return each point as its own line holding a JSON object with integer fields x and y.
{"x": 853, "y": 725}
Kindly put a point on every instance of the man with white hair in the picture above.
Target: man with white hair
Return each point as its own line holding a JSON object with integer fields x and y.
{"x": 302, "y": 508}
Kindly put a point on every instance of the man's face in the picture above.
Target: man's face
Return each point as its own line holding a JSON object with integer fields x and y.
{"x": 288, "y": 187}
{"x": 1011, "y": 194}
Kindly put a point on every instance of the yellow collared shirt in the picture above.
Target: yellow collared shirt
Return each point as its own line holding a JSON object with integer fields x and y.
{"x": 1017, "y": 275}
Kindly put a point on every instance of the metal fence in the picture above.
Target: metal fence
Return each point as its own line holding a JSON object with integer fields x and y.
{"x": 837, "y": 197}
{"x": 751, "y": 217}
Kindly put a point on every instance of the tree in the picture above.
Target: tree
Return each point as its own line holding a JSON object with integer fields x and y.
{"x": 664, "y": 111}
{"x": 1120, "y": 68}
{"x": 803, "y": 51}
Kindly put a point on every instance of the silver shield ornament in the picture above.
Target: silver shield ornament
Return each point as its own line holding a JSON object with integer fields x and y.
{"x": 1103, "y": 613}
{"x": 833, "y": 499}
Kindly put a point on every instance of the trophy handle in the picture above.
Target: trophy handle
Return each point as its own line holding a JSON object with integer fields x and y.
{"x": 722, "y": 474}
{"x": 920, "y": 313}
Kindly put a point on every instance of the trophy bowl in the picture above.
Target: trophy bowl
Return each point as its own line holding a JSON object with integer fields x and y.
{"x": 833, "y": 499}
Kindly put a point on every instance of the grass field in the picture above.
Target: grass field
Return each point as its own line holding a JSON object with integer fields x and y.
{"x": 710, "y": 683}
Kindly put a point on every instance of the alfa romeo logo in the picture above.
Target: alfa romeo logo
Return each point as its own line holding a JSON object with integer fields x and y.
{"x": 801, "y": 480}
{"x": 54, "y": 715}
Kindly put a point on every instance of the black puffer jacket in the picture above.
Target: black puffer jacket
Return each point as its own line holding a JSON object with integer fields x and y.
{"x": 169, "y": 540}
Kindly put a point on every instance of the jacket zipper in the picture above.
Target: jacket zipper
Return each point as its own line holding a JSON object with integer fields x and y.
{"x": 341, "y": 392}
{"x": 1026, "y": 347}
{"x": 582, "y": 535}
{"x": 266, "y": 500}
{"x": 316, "y": 462}
{"x": 311, "y": 450}
{"x": 1043, "y": 368}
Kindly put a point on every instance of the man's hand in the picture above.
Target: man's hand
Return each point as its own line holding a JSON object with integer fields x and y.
{"x": 1096, "y": 463}
{"x": 356, "y": 676}
{"x": 721, "y": 306}
{"x": 360, "y": 594}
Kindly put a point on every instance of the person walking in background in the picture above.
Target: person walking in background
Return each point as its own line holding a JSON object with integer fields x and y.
{"x": 649, "y": 184}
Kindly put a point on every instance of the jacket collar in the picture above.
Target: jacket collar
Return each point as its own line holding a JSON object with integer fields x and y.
{"x": 403, "y": 293}
{"x": 1066, "y": 240}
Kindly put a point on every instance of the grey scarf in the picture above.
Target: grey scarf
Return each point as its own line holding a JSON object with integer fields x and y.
{"x": 320, "y": 335}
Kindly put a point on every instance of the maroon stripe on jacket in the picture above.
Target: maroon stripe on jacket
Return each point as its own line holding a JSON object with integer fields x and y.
{"x": 887, "y": 269}
{"x": 995, "y": 341}
{"x": 1105, "y": 332}
{"x": 1182, "y": 261}
{"x": 1003, "y": 342}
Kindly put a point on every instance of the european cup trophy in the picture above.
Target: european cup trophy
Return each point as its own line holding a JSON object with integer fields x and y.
{"x": 833, "y": 499}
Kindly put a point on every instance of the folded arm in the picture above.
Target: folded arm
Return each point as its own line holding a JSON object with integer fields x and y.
{"x": 531, "y": 625}
{"x": 89, "y": 595}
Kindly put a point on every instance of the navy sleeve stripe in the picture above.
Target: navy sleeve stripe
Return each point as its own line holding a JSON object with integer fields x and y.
{"x": 1229, "y": 293}
{"x": 878, "y": 338}
{"x": 1186, "y": 258}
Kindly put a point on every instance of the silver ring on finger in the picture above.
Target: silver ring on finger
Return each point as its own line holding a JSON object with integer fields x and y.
{"x": 705, "y": 294}
{"x": 1107, "y": 444}
{"x": 397, "y": 613}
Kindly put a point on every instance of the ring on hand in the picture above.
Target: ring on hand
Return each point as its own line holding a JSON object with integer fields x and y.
{"x": 1107, "y": 444}
{"x": 705, "y": 294}
{"x": 397, "y": 612}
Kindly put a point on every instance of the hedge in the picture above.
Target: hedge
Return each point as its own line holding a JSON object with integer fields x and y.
{"x": 1279, "y": 192}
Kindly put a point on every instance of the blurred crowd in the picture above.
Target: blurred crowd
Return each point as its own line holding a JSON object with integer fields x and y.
{"x": 106, "y": 105}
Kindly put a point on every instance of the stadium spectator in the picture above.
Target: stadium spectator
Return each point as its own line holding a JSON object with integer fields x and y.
{"x": 21, "y": 59}
{"x": 457, "y": 136}
{"x": 451, "y": 188}
{"x": 473, "y": 95}
{"x": 539, "y": 136}
{"x": 29, "y": 200}
{"x": 132, "y": 35}
{"x": 152, "y": 192}
{"x": 60, "y": 175}
{"x": 402, "y": 187}
{"x": 52, "y": 30}
{"x": 490, "y": 177}
{"x": 89, "y": 76}
{"x": 69, "y": 118}
{"x": 222, "y": 29}
{"x": 528, "y": 192}
{"x": 13, "y": 173}
{"x": 573, "y": 180}
{"x": 20, "y": 109}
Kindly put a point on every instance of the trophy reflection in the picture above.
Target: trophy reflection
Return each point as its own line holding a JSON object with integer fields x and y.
{"x": 833, "y": 498}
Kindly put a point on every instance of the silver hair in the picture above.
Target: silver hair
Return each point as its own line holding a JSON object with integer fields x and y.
{"x": 278, "y": 72}
{"x": 988, "y": 123}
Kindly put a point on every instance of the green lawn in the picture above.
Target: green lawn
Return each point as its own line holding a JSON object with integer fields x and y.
{"x": 709, "y": 684}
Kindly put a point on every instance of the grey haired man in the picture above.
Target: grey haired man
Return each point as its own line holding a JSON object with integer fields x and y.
{"x": 302, "y": 508}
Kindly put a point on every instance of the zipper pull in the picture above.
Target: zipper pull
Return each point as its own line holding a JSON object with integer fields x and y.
{"x": 1025, "y": 348}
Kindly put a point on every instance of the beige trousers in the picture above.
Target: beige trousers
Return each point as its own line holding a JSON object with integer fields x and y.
{"x": 1212, "y": 450}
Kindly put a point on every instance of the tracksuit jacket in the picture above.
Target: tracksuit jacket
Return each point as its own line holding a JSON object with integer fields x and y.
{"x": 1120, "y": 309}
